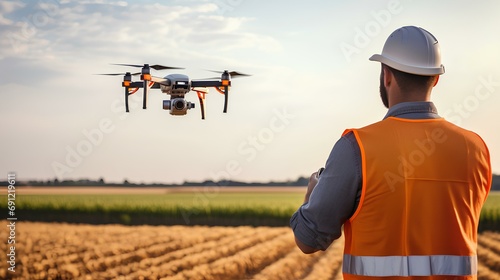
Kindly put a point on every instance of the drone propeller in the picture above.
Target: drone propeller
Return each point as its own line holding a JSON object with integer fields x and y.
{"x": 232, "y": 73}
{"x": 155, "y": 66}
{"x": 119, "y": 74}
{"x": 146, "y": 76}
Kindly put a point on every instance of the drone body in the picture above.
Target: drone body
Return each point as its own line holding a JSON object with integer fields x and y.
{"x": 176, "y": 86}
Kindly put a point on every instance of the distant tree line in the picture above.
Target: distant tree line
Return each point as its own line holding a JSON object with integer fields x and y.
{"x": 301, "y": 181}
{"x": 495, "y": 183}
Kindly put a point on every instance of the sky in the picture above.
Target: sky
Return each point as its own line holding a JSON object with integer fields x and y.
{"x": 311, "y": 79}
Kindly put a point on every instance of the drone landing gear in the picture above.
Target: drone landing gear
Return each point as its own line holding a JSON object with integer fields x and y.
{"x": 201, "y": 97}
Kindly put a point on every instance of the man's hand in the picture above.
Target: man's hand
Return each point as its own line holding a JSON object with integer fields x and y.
{"x": 313, "y": 180}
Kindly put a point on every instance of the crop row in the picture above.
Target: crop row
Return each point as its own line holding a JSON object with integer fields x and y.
{"x": 63, "y": 251}
{"x": 489, "y": 254}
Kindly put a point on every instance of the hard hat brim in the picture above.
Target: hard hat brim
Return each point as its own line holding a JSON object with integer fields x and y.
{"x": 417, "y": 70}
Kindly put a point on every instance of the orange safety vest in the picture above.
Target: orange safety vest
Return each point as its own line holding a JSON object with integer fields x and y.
{"x": 424, "y": 184}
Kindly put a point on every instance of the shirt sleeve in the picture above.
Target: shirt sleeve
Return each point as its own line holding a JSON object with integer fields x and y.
{"x": 334, "y": 199}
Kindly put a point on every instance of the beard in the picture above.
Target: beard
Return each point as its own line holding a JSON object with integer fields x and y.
{"x": 383, "y": 91}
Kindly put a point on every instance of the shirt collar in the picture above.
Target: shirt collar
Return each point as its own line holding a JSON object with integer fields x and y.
{"x": 426, "y": 108}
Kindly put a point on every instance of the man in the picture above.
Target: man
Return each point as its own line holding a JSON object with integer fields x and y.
{"x": 409, "y": 189}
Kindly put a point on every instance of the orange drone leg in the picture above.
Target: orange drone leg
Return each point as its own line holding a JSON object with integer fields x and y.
{"x": 132, "y": 90}
{"x": 201, "y": 97}
{"x": 129, "y": 91}
{"x": 219, "y": 90}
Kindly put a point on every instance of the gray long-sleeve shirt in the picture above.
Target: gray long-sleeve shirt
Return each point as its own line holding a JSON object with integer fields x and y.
{"x": 335, "y": 198}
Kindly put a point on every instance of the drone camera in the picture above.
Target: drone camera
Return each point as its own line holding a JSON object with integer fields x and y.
{"x": 177, "y": 106}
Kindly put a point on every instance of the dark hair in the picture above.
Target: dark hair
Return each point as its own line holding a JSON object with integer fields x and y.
{"x": 409, "y": 82}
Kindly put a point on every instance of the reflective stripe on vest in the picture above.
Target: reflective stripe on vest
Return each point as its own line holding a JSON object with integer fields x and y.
{"x": 410, "y": 265}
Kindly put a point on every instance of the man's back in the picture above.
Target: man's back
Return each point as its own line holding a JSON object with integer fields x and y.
{"x": 424, "y": 185}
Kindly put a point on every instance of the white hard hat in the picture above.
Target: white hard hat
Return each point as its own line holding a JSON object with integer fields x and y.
{"x": 412, "y": 50}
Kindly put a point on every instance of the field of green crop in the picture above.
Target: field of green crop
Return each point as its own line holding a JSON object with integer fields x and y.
{"x": 222, "y": 208}
{"x": 493, "y": 200}
{"x": 228, "y": 208}
{"x": 490, "y": 216}
{"x": 165, "y": 202}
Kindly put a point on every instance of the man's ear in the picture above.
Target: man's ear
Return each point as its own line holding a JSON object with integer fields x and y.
{"x": 388, "y": 77}
{"x": 436, "y": 82}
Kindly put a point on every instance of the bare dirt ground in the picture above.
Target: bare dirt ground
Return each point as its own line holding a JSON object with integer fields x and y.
{"x": 68, "y": 251}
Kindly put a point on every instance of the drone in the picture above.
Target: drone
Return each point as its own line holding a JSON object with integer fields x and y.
{"x": 176, "y": 86}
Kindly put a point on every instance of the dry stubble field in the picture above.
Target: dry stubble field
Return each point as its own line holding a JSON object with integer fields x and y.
{"x": 66, "y": 251}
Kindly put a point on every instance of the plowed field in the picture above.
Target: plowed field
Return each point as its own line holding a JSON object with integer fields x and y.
{"x": 64, "y": 251}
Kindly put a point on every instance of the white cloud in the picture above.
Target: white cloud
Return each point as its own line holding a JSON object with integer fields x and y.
{"x": 7, "y": 7}
{"x": 10, "y": 6}
{"x": 101, "y": 2}
{"x": 104, "y": 29}
{"x": 4, "y": 21}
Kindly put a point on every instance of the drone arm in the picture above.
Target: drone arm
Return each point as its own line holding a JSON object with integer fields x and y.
{"x": 207, "y": 83}
{"x": 159, "y": 81}
{"x": 141, "y": 85}
{"x": 136, "y": 85}
{"x": 217, "y": 84}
